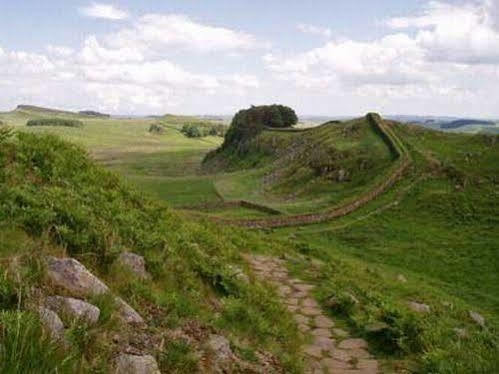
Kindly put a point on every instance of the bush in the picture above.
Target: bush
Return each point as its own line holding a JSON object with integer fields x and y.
{"x": 156, "y": 128}
{"x": 248, "y": 123}
{"x": 191, "y": 131}
{"x": 55, "y": 122}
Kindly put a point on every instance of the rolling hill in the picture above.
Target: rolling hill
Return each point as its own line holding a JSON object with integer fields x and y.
{"x": 410, "y": 266}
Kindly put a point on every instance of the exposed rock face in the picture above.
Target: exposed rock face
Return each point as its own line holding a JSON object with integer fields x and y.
{"x": 75, "y": 308}
{"x": 127, "y": 313}
{"x": 135, "y": 263}
{"x": 418, "y": 307}
{"x": 478, "y": 318}
{"x": 131, "y": 364}
{"x": 72, "y": 276}
{"x": 221, "y": 352}
{"x": 51, "y": 322}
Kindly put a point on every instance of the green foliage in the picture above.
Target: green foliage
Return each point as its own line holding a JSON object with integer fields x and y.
{"x": 191, "y": 131}
{"x": 178, "y": 357}
{"x": 156, "y": 128}
{"x": 26, "y": 348}
{"x": 54, "y": 122}
{"x": 248, "y": 123}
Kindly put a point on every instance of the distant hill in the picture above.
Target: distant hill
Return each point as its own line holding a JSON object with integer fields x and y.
{"x": 92, "y": 113}
{"x": 466, "y": 122}
{"x": 33, "y": 108}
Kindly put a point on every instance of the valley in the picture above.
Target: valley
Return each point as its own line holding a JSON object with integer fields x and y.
{"x": 393, "y": 227}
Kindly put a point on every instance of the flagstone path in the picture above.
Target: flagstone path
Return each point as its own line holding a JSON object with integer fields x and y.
{"x": 330, "y": 349}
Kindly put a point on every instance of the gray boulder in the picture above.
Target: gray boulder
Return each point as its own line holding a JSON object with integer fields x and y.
{"x": 419, "y": 307}
{"x": 52, "y": 323}
{"x": 221, "y": 353}
{"x": 477, "y": 318}
{"x": 135, "y": 263}
{"x": 127, "y": 313}
{"x": 132, "y": 364}
{"x": 75, "y": 308}
{"x": 72, "y": 276}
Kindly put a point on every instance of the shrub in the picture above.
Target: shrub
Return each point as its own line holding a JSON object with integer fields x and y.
{"x": 54, "y": 122}
{"x": 156, "y": 128}
{"x": 248, "y": 123}
{"x": 191, "y": 131}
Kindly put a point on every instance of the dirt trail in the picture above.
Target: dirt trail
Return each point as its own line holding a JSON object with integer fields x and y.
{"x": 329, "y": 349}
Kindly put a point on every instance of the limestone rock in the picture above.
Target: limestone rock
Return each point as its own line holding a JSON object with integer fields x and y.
{"x": 127, "y": 313}
{"x": 401, "y": 278}
{"x": 132, "y": 364}
{"x": 461, "y": 333}
{"x": 72, "y": 276}
{"x": 419, "y": 307}
{"x": 478, "y": 318}
{"x": 222, "y": 355}
{"x": 75, "y": 308}
{"x": 52, "y": 323}
{"x": 135, "y": 263}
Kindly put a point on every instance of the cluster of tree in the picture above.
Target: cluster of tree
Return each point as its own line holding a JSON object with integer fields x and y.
{"x": 248, "y": 123}
{"x": 54, "y": 122}
{"x": 156, "y": 128}
{"x": 93, "y": 113}
{"x": 197, "y": 131}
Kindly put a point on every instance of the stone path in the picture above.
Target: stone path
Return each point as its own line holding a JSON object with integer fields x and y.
{"x": 330, "y": 349}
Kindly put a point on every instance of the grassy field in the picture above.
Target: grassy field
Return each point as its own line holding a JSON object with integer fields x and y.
{"x": 437, "y": 227}
{"x": 166, "y": 166}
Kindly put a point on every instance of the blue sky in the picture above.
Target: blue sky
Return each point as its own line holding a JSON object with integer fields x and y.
{"x": 330, "y": 58}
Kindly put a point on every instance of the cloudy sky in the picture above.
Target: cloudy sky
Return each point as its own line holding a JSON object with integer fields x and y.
{"x": 324, "y": 57}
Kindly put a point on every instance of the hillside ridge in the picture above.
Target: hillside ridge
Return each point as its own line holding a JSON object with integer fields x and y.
{"x": 403, "y": 161}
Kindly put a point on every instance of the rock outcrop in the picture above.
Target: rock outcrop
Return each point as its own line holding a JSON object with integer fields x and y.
{"x": 132, "y": 364}
{"x": 135, "y": 263}
{"x": 76, "y": 309}
{"x": 52, "y": 323}
{"x": 71, "y": 275}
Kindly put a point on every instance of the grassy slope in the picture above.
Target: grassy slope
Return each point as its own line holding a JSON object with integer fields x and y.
{"x": 283, "y": 179}
{"x": 54, "y": 200}
{"x": 158, "y": 164}
{"x": 442, "y": 236}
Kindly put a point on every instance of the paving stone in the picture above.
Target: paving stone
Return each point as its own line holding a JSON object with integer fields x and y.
{"x": 326, "y": 343}
{"x": 284, "y": 290}
{"x": 303, "y": 287}
{"x": 341, "y": 355}
{"x": 353, "y": 344}
{"x": 309, "y": 311}
{"x": 333, "y": 365}
{"x": 310, "y": 303}
{"x": 323, "y": 322}
{"x": 299, "y": 294}
{"x": 321, "y": 332}
{"x": 304, "y": 327}
{"x": 359, "y": 353}
{"x": 301, "y": 319}
{"x": 314, "y": 351}
{"x": 350, "y": 357}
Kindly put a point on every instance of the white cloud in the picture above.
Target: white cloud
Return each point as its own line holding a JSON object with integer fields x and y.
{"x": 463, "y": 33}
{"x": 106, "y": 11}
{"x": 315, "y": 30}
{"x": 153, "y": 32}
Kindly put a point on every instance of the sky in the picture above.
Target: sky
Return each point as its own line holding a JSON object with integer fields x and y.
{"x": 321, "y": 57}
